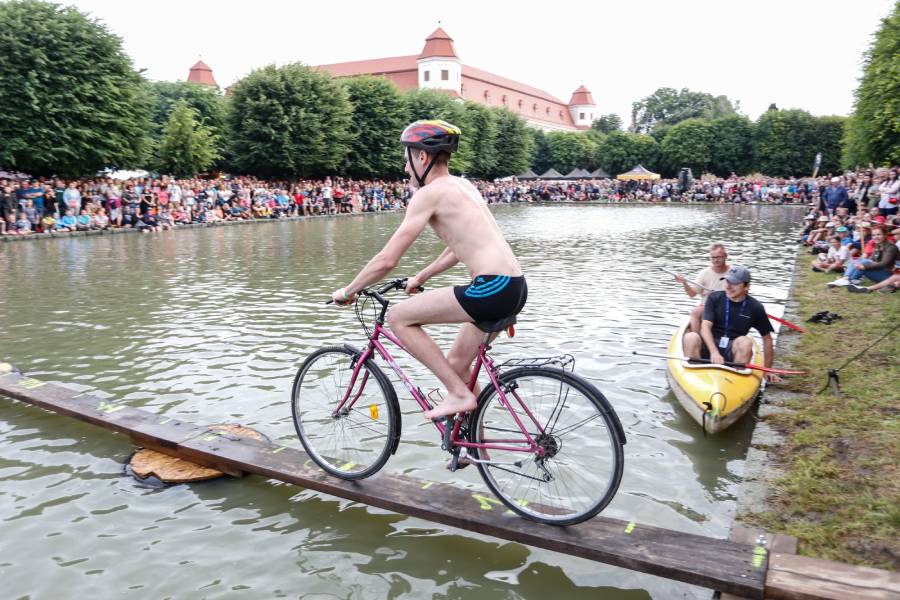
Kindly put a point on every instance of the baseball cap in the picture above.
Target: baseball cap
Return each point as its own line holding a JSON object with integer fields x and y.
{"x": 835, "y": 180}
{"x": 829, "y": 224}
{"x": 842, "y": 228}
{"x": 737, "y": 274}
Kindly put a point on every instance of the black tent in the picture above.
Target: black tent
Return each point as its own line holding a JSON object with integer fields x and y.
{"x": 600, "y": 174}
{"x": 552, "y": 174}
{"x": 578, "y": 174}
{"x": 529, "y": 174}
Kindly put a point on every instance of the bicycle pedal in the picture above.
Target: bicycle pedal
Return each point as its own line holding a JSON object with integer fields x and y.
{"x": 454, "y": 463}
{"x": 448, "y": 429}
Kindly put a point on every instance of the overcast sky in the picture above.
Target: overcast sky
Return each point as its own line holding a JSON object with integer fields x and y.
{"x": 796, "y": 53}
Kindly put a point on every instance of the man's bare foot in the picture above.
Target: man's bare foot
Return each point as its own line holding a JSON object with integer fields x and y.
{"x": 462, "y": 464}
{"x": 452, "y": 405}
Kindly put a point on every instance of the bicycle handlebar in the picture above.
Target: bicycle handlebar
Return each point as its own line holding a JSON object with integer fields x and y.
{"x": 395, "y": 284}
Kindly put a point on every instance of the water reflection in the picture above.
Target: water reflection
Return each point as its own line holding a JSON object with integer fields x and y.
{"x": 209, "y": 325}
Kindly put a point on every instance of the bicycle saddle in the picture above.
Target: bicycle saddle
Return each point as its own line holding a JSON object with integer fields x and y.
{"x": 494, "y": 326}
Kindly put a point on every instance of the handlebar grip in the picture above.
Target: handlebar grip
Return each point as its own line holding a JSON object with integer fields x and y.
{"x": 330, "y": 302}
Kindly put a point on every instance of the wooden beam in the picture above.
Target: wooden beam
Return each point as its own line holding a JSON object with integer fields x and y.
{"x": 713, "y": 563}
{"x": 777, "y": 542}
{"x": 793, "y": 577}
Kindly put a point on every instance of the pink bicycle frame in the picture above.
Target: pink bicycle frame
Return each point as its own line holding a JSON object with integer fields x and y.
{"x": 482, "y": 359}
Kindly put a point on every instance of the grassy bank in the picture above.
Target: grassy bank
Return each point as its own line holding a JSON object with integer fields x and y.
{"x": 840, "y": 495}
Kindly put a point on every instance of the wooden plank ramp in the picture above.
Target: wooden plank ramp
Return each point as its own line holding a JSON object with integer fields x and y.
{"x": 717, "y": 564}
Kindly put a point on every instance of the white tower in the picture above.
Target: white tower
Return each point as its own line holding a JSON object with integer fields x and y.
{"x": 582, "y": 108}
{"x": 439, "y": 66}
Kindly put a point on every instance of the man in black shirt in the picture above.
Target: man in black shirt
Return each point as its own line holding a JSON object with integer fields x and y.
{"x": 727, "y": 319}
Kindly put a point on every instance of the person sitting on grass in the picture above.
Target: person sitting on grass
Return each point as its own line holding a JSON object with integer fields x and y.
{"x": 100, "y": 221}
{"x": 837, "y": 257}
{"x": 9, "y": 225}
{"x": 23, "y": 225}
{"x": 83, "y": 222}
{"x": 48, "y": 223}
{"x": 67, "y": 222}
{"x": 877, "y": 268}
{"x": 889, "y": 285}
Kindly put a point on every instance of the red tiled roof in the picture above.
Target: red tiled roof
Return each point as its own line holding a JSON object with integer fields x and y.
{"x": 509, "y": 84}
{"x": 438, "y": 44}
{"x": 581, "y": 96}
{"x": 375, "y": 66}
{"x": 201, "y": 73}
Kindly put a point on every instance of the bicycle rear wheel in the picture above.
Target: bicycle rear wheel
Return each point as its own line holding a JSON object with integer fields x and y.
{"x": 576, "y": 427}
{"x": 355, "y": 442}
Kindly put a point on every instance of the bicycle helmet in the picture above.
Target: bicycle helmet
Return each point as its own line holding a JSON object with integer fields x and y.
{"x": 432, "y": 136}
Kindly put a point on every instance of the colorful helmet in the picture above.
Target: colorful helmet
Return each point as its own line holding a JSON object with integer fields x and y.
{"x": 433, "y": 136}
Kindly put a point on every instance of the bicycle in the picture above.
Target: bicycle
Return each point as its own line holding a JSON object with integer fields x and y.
{"x": 546, "y": 442}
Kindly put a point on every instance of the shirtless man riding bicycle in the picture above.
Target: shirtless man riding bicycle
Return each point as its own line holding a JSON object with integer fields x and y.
{"x": 458, "y": 214}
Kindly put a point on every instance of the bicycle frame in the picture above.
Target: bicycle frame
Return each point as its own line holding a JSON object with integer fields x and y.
{"x": 482, "y": 360}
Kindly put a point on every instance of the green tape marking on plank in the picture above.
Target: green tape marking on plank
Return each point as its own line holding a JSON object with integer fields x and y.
{"x": 630, "y": 527}
{"x": 109, "y": 407}
{"x": 484, "y": 502}
{"x": 427, "y": 485}
{"x": 759, "y": 556}
{"x": 31, "y": 383}
{"x": 278, "y": 449}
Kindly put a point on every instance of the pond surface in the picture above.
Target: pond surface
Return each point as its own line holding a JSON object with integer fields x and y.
{"x": 210, "y": 325}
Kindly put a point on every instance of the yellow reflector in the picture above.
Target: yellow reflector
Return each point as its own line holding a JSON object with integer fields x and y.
{"x": 373, "y": 410}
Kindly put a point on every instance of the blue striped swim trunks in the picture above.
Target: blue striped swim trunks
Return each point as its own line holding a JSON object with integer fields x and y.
{"x": 492, "y": 297}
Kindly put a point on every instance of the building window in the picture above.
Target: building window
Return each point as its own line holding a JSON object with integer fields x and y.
{"x": 547, "y": 110}
{"x": 445, "y": 75}
{"x": 505, "y": 100}
{"x": 581, "y": 116}
{"x": 462, "y": 89}
{"x": 520, "y": 105}
{"x": 487, "y": 97}
{"x": 534, "y": 107}
{"x": 560, "y": 116}
{"x": 427, "y": 75}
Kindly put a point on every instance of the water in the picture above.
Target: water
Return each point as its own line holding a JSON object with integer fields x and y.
{"x": 210, "y": 325}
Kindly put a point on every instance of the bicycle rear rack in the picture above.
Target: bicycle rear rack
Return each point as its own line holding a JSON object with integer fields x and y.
{"x": 563, "y": 361}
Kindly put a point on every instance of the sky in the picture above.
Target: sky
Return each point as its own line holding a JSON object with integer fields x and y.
{"x": 795, "y": 53}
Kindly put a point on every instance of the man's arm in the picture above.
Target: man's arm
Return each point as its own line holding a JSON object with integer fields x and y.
{"x": 768, "y": 351}
{"x": 417, "y": 217}
{"x": 446, "y": 260}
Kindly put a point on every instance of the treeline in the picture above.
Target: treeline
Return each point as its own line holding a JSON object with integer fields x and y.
{"x": 72, "y": 108}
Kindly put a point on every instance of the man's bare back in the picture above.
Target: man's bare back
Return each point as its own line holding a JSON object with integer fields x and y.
{"x": 459, "y": 215}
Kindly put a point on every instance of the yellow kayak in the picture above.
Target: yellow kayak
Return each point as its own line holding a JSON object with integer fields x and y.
{"x": 714, "y": 395}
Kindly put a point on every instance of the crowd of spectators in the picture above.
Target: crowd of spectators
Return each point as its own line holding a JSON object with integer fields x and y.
{"x": 151, "y": 204}
{"x": 40, "y": 206}
{"x": 857, "y": 234}
{"x": 876, "y": 187}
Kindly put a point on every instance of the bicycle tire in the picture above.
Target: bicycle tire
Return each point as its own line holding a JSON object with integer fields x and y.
{"x": 577, "y": 438}
{"x": 354, "y": 445}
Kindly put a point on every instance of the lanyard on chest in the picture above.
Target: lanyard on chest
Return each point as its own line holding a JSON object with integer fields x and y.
{"x": 728, "y": 310}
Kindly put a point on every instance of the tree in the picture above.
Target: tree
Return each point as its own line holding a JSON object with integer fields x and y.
{"x": 619, "y": 152}
{"x": 379, "y": 116}
{"x": 289, "y": 121}
{"x": 688, "y": 144}
{"x": 541, "y": 160}
{"x": 785, "y": 142}
{"x": 829, "y": 135}
{"x": 731, "y": 146}
{"x": 607, "y": 123}
{"x": 430, "y": 104}
{"x": 187, "y": 146}
{"x": 873, "y": 131}
{"x": 666, "y": 106}
{"x": 483, "y": 128}
{"x": 206, "y": 101}
{"x": 570, "y": 150}
{"x": 70, "y": 100}
{"x": 514, "y": 144}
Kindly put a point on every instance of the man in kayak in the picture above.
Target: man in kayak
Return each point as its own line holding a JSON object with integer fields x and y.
{"x": 710, "y": 278}
{"x": 458, "y": 214}
{"x": 728, "y": 317}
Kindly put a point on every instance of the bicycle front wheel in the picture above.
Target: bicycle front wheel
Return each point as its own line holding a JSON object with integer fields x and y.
{"x": 580, "y": 467}
{"x": 356, "y": 440}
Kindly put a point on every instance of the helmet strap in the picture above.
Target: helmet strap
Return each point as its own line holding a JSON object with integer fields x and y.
{"x": 412, "y": 166}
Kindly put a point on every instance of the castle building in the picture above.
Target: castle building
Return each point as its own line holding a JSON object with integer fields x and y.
{"x": 438, "y": 67}
{"x": 201, "y": 73}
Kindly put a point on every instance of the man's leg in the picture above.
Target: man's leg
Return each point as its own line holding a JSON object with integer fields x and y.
{"x": 877, "y": 275}
{"x": 693, "y": 344}
{"x": 742, "y": 349}
{"x": 406, "y": 320}
{"x": 696, "y": 315}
